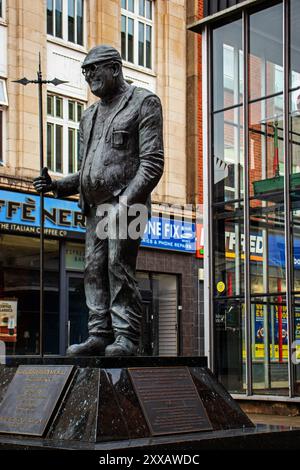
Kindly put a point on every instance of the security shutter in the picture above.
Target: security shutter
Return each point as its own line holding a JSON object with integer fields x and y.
{"x": 167, "y": 316}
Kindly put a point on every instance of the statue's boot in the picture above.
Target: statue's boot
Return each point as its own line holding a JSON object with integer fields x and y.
{"x": 121, "y": 347}
{"x": 94, "y": 346}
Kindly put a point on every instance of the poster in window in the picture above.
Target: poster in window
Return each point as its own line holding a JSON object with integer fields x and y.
{"x": 8, "y": 320}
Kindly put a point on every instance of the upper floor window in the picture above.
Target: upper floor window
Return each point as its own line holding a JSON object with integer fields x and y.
{"x": 1, "y": 136}
{"x": 3, "y": 105}
{"x": 137, "y": 32}
{"x": 65, "y": 20}
{"x": 63, "y": 116}
{"x": 2, "y": 9}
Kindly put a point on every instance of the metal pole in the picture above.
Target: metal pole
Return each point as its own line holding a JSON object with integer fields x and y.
{"x": 289, "y": 263}
{"x": 248, "y": 326}
{"x": 40, "y": 82}
{"x": 209, "y": 194}
{"x": 42, "y": 255}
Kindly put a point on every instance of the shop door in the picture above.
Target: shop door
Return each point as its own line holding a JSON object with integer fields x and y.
{"x": 147, "y": 340}
{"x": 77, "y": 309}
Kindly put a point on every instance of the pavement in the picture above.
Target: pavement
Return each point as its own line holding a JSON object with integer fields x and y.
{"x": 276, "y": 420}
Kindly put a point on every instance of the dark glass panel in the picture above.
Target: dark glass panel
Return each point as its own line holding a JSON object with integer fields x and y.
{"x": 59, "y": 148}
{"x": 230, "y": 343}
{"x": 148, "y": 47}
{"x": 80, "y": 22}
{"x": 123, "y": 37}
{"x": 228, "y": 148}
{"x": 130, "y": 41}
{"x": 266, "y": 52}
{"x": 58, "y": 19}
{"x": 227, "y": 65}
{"x": 141, "y": 43}
{"x": 269, "y": 345}
{"x": 49, "y": 17}
{"x": 71, "y": 20}
{"x": 229, "y": 250}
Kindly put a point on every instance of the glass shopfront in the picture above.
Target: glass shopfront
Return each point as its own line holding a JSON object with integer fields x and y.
{"x": 20, "y": 286}
{"x": 254, "y": 131}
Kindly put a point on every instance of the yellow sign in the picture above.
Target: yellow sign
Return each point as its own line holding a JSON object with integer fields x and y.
{"x": 220, "y": 286}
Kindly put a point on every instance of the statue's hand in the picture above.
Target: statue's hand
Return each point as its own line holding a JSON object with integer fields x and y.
{"x": 43, "y": 183}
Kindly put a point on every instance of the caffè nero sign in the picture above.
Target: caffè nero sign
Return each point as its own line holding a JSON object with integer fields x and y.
{"x": 20, "y": 213}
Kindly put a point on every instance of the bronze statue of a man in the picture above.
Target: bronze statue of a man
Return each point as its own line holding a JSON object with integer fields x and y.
{"x": 121, "y": 158}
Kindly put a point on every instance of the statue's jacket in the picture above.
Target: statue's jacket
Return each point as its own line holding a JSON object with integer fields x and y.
{"x": 130, "y": 154}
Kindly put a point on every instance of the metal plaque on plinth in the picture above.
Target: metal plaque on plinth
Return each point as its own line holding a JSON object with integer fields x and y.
{"x": 169, "y": 400}
{"x": 32, "y": 398}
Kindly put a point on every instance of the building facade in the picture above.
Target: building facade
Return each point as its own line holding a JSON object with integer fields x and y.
{"x": 250, "y": 73}
{"x": 151, "y": 36}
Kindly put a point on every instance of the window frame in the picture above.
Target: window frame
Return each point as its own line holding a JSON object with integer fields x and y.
{"x": 65, "y": 31}
{"x": 5, "y": 101}
{"x": 2, "y": 119}
{"x": 3, "y": 108}
{"x": 66, "y": 124}
{"x": 2, "y": 10}
{"x": 137, "y": 19}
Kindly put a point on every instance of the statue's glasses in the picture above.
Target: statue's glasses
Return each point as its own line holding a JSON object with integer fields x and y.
{"x": 91, "y": 70}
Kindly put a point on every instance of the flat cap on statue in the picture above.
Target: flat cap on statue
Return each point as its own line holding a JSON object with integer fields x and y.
{"x": 101, "y": 53}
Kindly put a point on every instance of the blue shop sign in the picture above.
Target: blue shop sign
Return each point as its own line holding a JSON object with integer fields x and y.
{"x": 20, "y": 213}
{"x": 277, "y": 251}
{"x": 170, "y": 234}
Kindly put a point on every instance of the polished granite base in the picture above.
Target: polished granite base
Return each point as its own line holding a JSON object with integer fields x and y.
{"x": 102, "y": 408}
{"x": 261, "y": 437}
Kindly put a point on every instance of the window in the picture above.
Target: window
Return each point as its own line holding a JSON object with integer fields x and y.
{"x": 251, "y": 266}
{"x": 2, "y": 9}
{"x": 3, "y": 105}
{"x": 65, "y": 20}
{"x": 63, "y": 116}
{"x": 137, "y": 32}
{"x": 1, "y": 136}
{"x": 19, "y": 259}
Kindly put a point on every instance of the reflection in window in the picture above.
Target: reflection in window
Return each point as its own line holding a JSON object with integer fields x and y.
{"x": 228, "y": 155}
{"x": 136, "y": 32}
{"x": 266, "y": 155}
{"x": 50, "y": 17}
{"x": 20, "y": 280}
{"x": 229, "y": 249}
{"x": 63, "y": 133}
{"x": 71, "y": 20}
{"x": 65, "y": 20}
{"x": 230, "y": 340}
{"x": 55, "y": 18}
{"x": 295, "y": 45}
{"x": 266, "y": 52}
{"x": 270, "y": 345}
{"x": 267, "y": 247}
{"x": 3, "y": 105}
{"x": 228, "y": 65}
{"x": 58, "y": 19}
{"x": 1, "y": 136}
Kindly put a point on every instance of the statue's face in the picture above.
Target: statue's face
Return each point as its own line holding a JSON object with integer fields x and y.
{"x": 101, "y": 78}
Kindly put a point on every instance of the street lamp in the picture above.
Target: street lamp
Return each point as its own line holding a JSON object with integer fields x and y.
{"x": 40, "y": 82}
